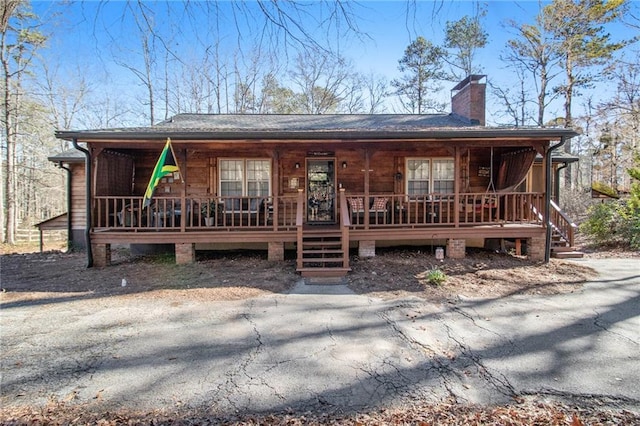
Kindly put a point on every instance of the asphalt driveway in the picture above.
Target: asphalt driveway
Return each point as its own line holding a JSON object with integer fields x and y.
{"x": 324, "y": 348}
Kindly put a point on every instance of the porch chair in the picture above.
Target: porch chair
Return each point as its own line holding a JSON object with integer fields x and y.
{"x": 357, "y": 210}
{"x": 127, "y": 216}
{"x": 379, "y": 210}
{"x": 486, "y": 209}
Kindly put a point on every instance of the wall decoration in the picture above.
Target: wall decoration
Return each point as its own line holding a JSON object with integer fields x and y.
{"x": 484, "y": 171}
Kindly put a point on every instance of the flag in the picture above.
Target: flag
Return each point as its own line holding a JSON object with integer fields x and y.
{"x": 166, "y": 165}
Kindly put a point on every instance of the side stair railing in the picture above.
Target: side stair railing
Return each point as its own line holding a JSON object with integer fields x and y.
{"x": 560, "y": 223}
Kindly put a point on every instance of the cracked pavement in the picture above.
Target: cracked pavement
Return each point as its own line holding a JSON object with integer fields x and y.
{"x": 322, "y": 348}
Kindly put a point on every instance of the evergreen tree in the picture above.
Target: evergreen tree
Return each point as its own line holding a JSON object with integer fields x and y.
{"x": 422, "y": 65}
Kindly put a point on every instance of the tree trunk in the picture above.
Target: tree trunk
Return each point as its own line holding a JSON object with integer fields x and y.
{"x": 568, "y": 120}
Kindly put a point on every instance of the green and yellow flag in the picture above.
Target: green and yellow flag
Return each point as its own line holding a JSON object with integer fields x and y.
{"x": 166, "y": 165}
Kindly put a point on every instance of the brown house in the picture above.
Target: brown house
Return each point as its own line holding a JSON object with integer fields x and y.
{"x": 323, "y": 183}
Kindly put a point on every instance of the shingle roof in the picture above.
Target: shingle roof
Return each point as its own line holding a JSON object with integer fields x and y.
{"x": 320, "y": 122}
{"x": 347, "y": 126}
{"x": 68, "y": 156}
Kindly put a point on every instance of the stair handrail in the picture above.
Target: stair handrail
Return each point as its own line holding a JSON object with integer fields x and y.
{"x": 345, "y": 220}
{"x": 562, "y": 223}
{"x": 299, "y": 226}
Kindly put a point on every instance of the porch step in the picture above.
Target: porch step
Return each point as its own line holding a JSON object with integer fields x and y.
{"x": 562, "y": 248}
{"x": 321, "y": 254}
{"x": 567, "y": 254}
{"x": 323, "y": 273}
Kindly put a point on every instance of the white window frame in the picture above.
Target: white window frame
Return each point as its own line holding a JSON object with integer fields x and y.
{"x": 431, "y": 178}
{"x": 244, "y": 172}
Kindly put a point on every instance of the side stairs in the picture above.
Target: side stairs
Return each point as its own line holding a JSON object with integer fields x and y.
{"x": 321, "y": 254}
{"x": 561, "y": 249}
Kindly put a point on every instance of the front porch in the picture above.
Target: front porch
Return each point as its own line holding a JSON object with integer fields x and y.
{"x": 362, "y": 220}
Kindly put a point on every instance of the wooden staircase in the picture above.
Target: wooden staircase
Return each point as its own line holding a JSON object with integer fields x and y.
{"x": 562, "y": 249}
{"x": 322, "y": 253}
{"x": 562, "y": 235}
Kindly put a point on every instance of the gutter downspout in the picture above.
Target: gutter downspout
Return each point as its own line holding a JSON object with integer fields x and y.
{"x": 87, "y": 172}
{"x": 69, "y": 230}
{"x": 547, "y": 198}
{"x": 556, "y": 195}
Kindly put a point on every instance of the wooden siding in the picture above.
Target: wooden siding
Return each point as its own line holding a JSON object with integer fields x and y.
{"x": 371, "y": 170}
{"x": 78, "y": 197}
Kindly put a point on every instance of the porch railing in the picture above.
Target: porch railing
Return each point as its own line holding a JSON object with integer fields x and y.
{"x": 279, "y": 213}
{"x": 194, "y": 213}
{"x": 389, "y": 210}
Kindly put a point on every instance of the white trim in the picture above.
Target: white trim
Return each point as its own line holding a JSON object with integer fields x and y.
{"x": 430, "y": 161}
{"x": 244, "y": 173}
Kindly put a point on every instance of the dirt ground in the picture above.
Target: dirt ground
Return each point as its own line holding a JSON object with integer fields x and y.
{"x": 237, "y": 275}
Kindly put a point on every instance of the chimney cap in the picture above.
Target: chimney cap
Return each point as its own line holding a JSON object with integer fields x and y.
{"x": 473, "y": 78}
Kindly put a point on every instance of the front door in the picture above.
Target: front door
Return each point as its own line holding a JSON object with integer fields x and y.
{"x": 321, "y": 193}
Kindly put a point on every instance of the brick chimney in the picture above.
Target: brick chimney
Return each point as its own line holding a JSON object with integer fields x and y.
{"x": 468, "y": 99}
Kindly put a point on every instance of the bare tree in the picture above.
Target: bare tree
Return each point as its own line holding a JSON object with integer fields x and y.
{"x": 514, "y": 98}
{"x": 322, "y": 79}
{"x": 376, "y": 88}
{"x": 19, "y": 40}
{"x": 276, "y": 99}
{"x": 272, "y": 26}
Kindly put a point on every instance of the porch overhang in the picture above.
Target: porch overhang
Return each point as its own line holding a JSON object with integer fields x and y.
{"x": 284, "y": 136}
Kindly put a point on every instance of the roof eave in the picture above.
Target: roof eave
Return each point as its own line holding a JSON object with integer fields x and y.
{"x": 461, "y": 133}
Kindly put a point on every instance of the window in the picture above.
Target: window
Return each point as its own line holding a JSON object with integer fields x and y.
{"x": 443, "y": 176}
{"x": 427, "y": 175}
{"x": 250, "y": 178}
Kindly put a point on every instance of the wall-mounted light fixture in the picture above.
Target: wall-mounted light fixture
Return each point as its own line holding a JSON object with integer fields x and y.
{"x": 297, "y": 165}
{"x": 344, "y": 164}
{"x": 398, "y": 176}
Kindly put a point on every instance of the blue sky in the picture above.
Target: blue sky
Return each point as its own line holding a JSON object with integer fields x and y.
{"x": 87, "y": 35}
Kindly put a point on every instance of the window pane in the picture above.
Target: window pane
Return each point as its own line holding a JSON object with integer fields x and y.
{"x": 418, "y": 187}
{"x": 418, "y": 176}
{"x": 443, "y": 169}
{"x": 257, "y": 189}
{"x": 418, "y": 169}
{"x": 443, "y": 176}
{"x": 258, "y": 170}
{"x": 443, "y": 186}
{"x": 231, "y": 170}
{"x": 258, "y": 177}
{"x": 231, "y": 176}
{"x": 230, "y": 188}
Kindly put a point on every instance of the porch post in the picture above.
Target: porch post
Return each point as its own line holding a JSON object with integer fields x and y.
{"x": 101, "y": 254}
{"x": 536, "y": 249}
{"x": 367, "y": 249}
{"x": 276, "y": 189}
{"x": 275, "y": 251}
{"x": 456, "y": 248}
{"x": 183, "y": 194}
{"x": 456, "y": 189}
{"x": 367, "y": 161}
{"x": 185, "y": 253}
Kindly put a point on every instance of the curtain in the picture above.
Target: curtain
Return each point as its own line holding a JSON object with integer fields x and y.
{"x": 114, "y": 174}
{"x": 514, "y": 167}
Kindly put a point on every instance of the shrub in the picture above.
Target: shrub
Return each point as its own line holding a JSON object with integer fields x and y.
{"x": 601, "y": 222}
{"x": 436, "y": 276}
{"x": 615, "y": 222}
